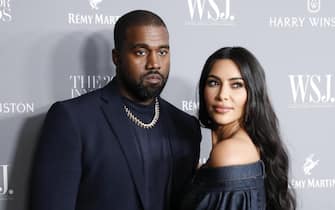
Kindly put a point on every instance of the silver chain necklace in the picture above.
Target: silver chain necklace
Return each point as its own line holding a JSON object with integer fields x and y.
{"x": 138, "y": 122}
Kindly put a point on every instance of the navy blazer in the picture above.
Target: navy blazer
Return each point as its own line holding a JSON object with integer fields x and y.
{"x": 86, "y": 158}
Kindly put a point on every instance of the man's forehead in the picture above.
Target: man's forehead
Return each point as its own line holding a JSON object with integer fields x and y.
{"x": 145, "y": 32}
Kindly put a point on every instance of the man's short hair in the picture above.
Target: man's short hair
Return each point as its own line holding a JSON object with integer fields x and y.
{"x": 134, "y": 18}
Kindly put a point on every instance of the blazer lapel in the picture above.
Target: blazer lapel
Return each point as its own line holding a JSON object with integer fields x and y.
{"x": 172, "y": 138}
{"x": 169, "y": 126}
{"x": 120, "y": 125}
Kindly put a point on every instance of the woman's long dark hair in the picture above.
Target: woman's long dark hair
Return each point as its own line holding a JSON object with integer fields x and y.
{"x": 259, "y": 121}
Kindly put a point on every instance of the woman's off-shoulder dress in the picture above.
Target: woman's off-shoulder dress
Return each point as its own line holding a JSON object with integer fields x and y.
{"x": 239, "y": 187}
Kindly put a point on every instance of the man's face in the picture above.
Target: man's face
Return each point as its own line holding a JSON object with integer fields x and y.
{"x": 143, "y": 62}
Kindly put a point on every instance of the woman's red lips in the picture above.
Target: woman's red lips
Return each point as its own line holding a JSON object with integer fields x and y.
{"x": 223, "y": 109}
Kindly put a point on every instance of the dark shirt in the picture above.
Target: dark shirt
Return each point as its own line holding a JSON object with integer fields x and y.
{"x": 153, "y": 145}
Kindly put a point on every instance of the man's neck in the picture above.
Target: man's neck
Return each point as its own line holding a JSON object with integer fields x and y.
{"x": 132, "y": 98}
{"x": 139, "y": 102}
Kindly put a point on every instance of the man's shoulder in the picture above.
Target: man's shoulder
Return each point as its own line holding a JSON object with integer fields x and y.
{"x": 85, "y": 101}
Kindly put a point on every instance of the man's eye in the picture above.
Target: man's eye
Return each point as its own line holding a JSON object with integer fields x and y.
{"x": 163, "y": 52}
{"x": 140, "y": 52}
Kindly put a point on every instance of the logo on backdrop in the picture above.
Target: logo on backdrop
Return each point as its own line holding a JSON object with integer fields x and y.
{"x": 20, "y": 107}
{"x": 309, "y": 181}
{"x": 313, "y": 6}
{"x": 94, "y": 4}
{"x": 312, "y": 91}
{"x": 313, "y": 19}
{"x": 310, "y": 164}
{"x": 75, "y": 18}
{"x": 6, "y": 192}
{"x": 5, "y": 11}
{"x": 210, "y": 12}
{"x": 82, "y": 84}
{"x": 189, "y": 106}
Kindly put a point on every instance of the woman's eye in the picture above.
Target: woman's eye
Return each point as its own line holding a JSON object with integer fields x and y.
{"x": 212, "y": 83}
{"x": 237, "y": 85}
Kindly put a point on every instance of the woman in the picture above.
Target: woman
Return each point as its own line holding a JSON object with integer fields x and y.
{"x": 248, "y": 165}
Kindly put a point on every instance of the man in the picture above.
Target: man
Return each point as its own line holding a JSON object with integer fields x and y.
{"x": 121, "y": 147}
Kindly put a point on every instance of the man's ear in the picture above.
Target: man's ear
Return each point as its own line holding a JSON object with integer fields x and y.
{"x": 116, "y": 57}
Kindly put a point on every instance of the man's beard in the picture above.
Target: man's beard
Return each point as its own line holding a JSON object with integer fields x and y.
{"x": 140, "y": 91}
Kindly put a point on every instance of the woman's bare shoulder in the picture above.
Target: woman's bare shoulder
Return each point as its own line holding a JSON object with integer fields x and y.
{"x": 233, "y": 151}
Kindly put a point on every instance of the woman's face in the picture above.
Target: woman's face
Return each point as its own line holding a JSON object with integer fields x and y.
{"x": 225, "y": 93}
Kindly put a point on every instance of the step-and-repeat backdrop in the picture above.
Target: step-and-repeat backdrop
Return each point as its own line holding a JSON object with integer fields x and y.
{"x": 55, "y": 50}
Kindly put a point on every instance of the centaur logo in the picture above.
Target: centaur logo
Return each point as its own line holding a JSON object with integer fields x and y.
{"x": 94, "y": 4}
{"x": 310, "y": 164}
{"x": 312, "y": 182}
{"x": 209, "y": 12}
{"x": 313, "y": 6}
{"x": 312, "y": 91}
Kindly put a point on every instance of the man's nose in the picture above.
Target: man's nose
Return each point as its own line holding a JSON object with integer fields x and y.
{"x": 153, "y": 61}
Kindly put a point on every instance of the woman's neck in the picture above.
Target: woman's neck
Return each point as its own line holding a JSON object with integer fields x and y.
{"x": 227, "y": 131}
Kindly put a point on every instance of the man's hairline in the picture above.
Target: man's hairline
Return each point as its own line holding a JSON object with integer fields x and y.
{"x": 141, "y": 25}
